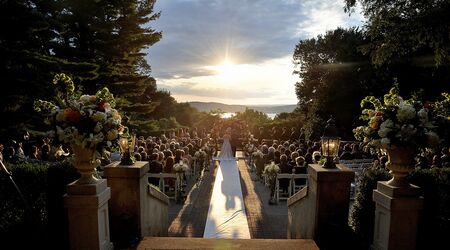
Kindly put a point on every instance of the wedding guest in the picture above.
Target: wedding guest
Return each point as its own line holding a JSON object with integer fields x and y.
{"x": 45, "y": 152}
{"x": 60, "y": 153}
{"x": 19, "y": 154}
{"x": 347, "y": 153}
{"x": 356, "y": 152}
{"x": 309, "y": 156}
{"x": 293, "y": 158}
{"x": 285, "y": 168}
{"x": 316, "y": 157}
{"x": 155, "y": 167}
{"x": 300, "y": 168}
{"x": 137, "y": 156}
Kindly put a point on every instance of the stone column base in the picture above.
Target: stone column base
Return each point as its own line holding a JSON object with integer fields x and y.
{"x": 396, "y": 216}
{"x": 88, "y": 215}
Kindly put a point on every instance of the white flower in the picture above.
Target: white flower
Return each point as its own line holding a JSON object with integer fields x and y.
{"x": 99, "y": 117}
{"x": 405, "y": 112}
{"x": 406, "y": 132}
{"x": 423, "y": 116}
{"x": 180, "y": 167}
{"x": 98, "y": 127}
{"x": 385, "y": 128}
{"x": 87, "y": 98}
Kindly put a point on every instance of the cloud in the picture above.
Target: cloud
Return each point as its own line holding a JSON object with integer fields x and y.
{"x": 202, "y": 33}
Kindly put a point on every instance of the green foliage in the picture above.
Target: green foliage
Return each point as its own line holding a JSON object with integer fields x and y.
{"x": 252, "y": 118}
{"x": 45, "y": 222}
{"x": 362, "y": 211}
{"x": 102, "y": 43}
{"x": 333, "y": 74}
{"x": 434, "y": 219}
{"x": 442, "y": 107}
{"x": 412, "y": 30}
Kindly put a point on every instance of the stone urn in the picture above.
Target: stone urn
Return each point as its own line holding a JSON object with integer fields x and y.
{"x": 85, "y": 165}
{"x": 400, "y": 164}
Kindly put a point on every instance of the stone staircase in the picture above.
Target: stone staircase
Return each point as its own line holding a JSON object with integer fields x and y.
{"x": 208, "y": 243}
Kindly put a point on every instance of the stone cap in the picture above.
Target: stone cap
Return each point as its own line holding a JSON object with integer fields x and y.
{"x": 298, "y": 196}
{"x": 115, "y": 170}
{"x": 410, "y": 191}
{"x": 339, "y": 174}
{"x": 87, "y": 201}
{"x": 397, "y": 203}
{"x": 155, "y": 193}
{"x": 87, "y": 189}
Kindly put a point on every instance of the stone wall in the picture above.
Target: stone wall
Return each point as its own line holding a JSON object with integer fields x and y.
{"x": 155, "y": 217}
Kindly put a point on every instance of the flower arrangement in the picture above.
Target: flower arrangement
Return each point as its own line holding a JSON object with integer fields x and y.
{"x": 200, "y": 155}
{"x": 257, "y": 154}
{"x": 272, "y": 169}
{"x": 181, "y": 167}
{"x": 84, "y": 121}
{"x": 396, "y": 122}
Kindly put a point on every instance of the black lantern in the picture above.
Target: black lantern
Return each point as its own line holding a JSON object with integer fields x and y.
{"x": 126, "y": 148}
{"x": 330, "y": 143}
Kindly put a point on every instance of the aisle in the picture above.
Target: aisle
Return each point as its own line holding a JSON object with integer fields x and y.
{"x": 226, "y": 214}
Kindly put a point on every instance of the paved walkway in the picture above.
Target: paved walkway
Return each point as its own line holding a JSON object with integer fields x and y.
{"x": 265, "y": 221}
{"x": 189, "y": 219}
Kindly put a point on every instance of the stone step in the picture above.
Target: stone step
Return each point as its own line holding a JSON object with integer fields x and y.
{"x": 208, "y": 243}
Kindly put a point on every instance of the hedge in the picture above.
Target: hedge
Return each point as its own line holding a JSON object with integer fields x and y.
{"x": 434, "y": 219}
{"x": 41, "y": 221}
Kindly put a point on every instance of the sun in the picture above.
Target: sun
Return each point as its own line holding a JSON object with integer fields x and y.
{"x": 227, "y": 71}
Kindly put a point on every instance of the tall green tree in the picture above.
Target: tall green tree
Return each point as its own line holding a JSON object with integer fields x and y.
{"x": 113, "y": 34}
{"x": 333, "y": 77}
{"x": 407, "y": 30}
{"x": 28, "y": 61}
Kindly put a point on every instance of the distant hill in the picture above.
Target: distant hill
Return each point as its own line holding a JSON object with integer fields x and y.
{"x": 208, "y": 106}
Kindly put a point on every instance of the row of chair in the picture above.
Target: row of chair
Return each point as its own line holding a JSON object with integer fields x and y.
{"x": 293, "y": 186}
{"x": 165, "y": 187}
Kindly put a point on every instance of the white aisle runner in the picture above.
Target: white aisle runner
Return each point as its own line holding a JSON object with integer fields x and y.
{"x": 226, "y": 215}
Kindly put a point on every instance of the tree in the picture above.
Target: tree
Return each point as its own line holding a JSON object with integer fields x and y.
{"x": 28, "y": 62}
{"x": 334, "y": 76}
{"x": 114, "y": 35}
{"x": 410, "y": 30}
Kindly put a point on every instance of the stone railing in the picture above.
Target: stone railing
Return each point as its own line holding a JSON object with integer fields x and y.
{"x": 325, "y": 200}
{"x": 136, "y": 208}
{"x": 156, "y": 212}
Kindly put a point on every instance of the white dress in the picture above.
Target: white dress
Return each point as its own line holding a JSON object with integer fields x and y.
{"x": 226, "y": 153}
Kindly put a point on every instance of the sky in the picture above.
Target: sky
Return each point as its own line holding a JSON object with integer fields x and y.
{"x": 237, "y": 51}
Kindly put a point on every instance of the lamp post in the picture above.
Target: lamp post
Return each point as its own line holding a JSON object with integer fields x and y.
{"x": 330, "y": 143}
{"x": 125, "y": 148}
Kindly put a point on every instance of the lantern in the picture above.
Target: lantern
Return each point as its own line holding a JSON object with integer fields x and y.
{"x": 330, "y": 144}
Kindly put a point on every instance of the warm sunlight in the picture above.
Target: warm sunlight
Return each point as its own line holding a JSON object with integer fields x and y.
{"x": 226, "y": 71}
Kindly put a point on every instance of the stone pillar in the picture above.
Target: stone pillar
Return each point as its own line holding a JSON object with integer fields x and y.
{"x": 129, "y": 187}
{"x": 88, "y": 215}
{"x": 396, "y": 216}
{"x": 325, "y": 202}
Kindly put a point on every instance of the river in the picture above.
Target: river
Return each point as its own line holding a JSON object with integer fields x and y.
{"x": 230, "y": 114}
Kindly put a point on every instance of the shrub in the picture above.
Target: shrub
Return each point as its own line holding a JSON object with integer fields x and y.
{"x": 434, "y": 219}
{"x": 41, "y": 219}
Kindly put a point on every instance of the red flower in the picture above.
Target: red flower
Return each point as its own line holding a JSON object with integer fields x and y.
{"x": 71, "y": 115}
{"x": 428, "y": 105}
{"x": 102, "y": 106}
{"x": 379, "y": 113}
